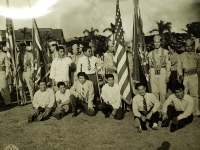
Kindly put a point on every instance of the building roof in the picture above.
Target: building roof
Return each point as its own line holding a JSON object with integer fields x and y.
{"x": 55, "y": 33}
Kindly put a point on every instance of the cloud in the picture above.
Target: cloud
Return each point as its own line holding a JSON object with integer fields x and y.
{"x": 40, "y": 8}
{"x": 74, "y": 16}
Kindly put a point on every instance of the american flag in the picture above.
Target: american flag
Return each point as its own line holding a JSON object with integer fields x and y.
{"x": 10, "y": 42}
{"x": 120, "y": 58}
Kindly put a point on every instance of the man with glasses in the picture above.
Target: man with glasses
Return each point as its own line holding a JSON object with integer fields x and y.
{"x": 89, "y": 64}
{"x": 187, "y": 68}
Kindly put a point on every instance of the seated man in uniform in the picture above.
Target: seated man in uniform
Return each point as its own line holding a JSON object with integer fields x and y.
{"x": 43, "y": 102}
{"x": 82, "y": 93}
{"x": 180, "y": 110}
{"x": 62, "y": 101}
{"x": 111, "y": 99}
{"x": 145, "y": 108}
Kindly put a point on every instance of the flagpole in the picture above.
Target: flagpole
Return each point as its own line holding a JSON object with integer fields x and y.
{"x": 14, "y": 48}
{"x": 33, "y": 43}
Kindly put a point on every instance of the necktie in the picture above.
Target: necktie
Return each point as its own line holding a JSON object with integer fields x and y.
{"x": 89, "y": 65}
{"x": 83, "y": 91}
{"x": 145, "y": 106}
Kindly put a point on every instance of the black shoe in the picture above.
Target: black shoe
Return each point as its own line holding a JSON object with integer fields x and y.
{"x": 30, "y": 119}
{"x": 175, "y": 121}
{"x": 165, "y": 123}
{"x": 173, "y": 127}
{"x": 74, "y": 114}
{"x": 58, "y": 116}
{"x": 144, "y": 128}
{"x": 107, "y": 115}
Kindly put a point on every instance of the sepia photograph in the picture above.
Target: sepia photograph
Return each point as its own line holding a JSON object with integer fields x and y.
{"x": 99, "y": 74}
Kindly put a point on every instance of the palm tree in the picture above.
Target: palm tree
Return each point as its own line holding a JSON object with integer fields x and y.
{"x": 91, "y": 35}
{"x": 162, "y": 27}
{"x": 112, "y": 30}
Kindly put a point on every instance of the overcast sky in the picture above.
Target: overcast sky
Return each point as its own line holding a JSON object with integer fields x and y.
{"x": 74, "y": 16}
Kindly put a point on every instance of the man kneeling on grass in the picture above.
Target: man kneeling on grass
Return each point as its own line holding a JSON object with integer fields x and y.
{"x": 145, "y": 108}
{"x": 62, "y": 101}
{"x": 43, "y": 102}
{"x": 82, "y": 94}
{"x": 178, "y": 108}
{"x": 111, "y": 99}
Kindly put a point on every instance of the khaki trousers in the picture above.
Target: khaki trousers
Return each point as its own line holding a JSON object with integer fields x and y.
{"x": 158, "y": 84}
{"x": 191, "y": 84}
{"x": 4, "y": 89}
{"x": 25, "y": 77}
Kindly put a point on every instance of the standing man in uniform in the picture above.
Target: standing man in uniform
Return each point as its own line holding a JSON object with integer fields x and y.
{"x": 174, "y": 61}
{"x": 53, "y": 50}
{"x": 159, "y": 69}
{"x": 4, "y": 70}
{"x": 74, "y": 58}
{"x": 25, "y": 66}
{"x": 89, "y": 64}
{"x": 60, "y": 69}
{"x": 108, "y": 61}
{"x": 188, "y": 66}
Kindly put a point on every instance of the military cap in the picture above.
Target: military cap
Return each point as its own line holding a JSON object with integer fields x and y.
{"x": 157, "y": 37}
{"x": 52, "y": 42}
{"x": 28, "y": 48}
{"x": 74, "y": 46}
{"x": 188, "y": 42}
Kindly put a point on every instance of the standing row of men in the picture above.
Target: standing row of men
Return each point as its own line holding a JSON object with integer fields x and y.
{"x": 182, "y": 68}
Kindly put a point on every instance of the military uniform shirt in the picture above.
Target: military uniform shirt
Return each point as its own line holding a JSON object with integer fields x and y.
{"x": 188, "y": 61}
{"x": 166, "y": 62}
{"x": 4, "y": 62}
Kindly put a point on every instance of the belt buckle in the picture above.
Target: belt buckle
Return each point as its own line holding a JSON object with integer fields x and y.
{"x": 157, "y": 72}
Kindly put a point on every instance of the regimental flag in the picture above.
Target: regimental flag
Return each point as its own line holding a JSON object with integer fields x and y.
{"x": 136, "y": 73}
{"x": 40, "y": 56}
{"x": 139, "y": 47}
{"x": 120, "y": 58}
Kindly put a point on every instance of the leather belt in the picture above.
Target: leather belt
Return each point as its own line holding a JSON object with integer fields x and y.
{"x": 190, "y": 72}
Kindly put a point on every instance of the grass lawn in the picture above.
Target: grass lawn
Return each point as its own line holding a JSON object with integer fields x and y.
{"x": 85, "y": 133}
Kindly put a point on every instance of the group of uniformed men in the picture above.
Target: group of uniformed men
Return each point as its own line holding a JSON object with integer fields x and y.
{"x": 74, "y": 82}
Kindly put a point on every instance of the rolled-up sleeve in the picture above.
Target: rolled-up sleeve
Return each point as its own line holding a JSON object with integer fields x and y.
{"x": 52, "y": 71}
{"x": 156, "y": 103}
{"x": 179, "y": 66}
{"x": 91, "y": 95}
{"x": 166, "y": 103}
{"x": 35, "y": 100}
{"x": 189, "y": 108}
{"x": 73, "y": 90}
{"x": 168, "y": 65}
{"x": 79, "y": 65}
{"x": 52, "y": 99}
{"x": 135, "y": 107}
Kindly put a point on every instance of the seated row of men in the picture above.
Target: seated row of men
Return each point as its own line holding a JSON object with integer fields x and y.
{"x": 80, "y": 94}
{"x": 178, "y": 107}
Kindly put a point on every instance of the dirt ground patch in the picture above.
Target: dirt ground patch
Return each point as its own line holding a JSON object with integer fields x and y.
{"x": 85, "y": 133}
